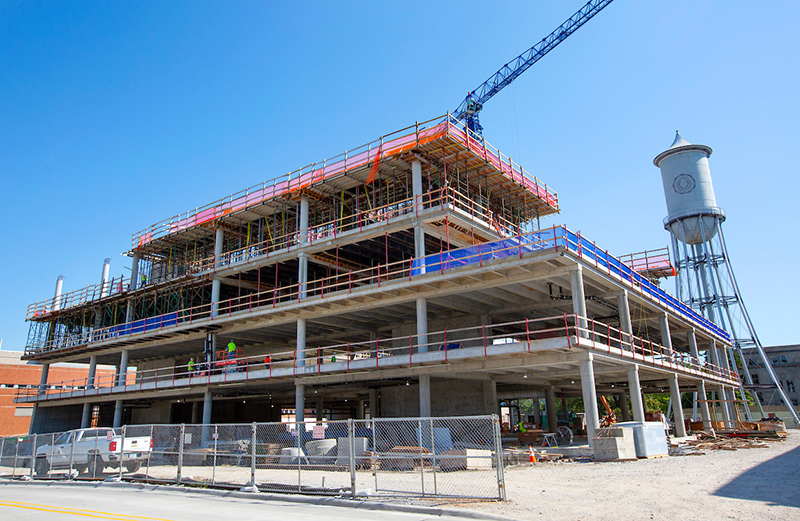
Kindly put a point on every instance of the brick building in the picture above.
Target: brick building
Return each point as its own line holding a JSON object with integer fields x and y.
{"x": 18, "y": 376}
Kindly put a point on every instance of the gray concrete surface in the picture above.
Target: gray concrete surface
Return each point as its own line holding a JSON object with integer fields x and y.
{"x": 38, "y": 501}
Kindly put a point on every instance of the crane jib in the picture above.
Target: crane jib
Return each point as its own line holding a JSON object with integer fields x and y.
{"x": 473, "y": 103}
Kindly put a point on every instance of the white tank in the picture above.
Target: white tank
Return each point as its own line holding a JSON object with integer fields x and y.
{"x": 688, "y": 190}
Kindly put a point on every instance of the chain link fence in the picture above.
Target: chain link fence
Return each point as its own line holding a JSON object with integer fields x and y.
{"x": 457, "y": 457}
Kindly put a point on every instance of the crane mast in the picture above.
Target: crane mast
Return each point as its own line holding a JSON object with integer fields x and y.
{"x": 471, "y": 106}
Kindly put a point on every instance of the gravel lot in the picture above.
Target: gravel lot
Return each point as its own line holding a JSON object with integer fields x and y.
{"x": 747, "y": 485}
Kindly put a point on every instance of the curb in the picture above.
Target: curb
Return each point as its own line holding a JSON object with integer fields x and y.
{"x": 268, "y": 496}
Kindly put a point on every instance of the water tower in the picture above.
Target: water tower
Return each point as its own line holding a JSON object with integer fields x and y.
{"x": 705, "y": 276}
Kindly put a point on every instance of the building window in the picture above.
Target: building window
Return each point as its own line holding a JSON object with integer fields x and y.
{"x": 795, "y": 402}
{"x": 790, "y": 386}
{"x": 755, "y": 379}
{"x": 783, "y": 359}
{"x": 23, "y": 411}
{"x": 774, "y": 360}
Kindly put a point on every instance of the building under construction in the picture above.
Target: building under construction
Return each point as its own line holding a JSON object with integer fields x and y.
{"x": 412, "y": 276}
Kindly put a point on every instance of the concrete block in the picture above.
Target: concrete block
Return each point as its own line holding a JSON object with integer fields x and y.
{"x": 465, "y": 459}
{"x": 321, "y": 452}
{"x": 343, "y": 450}
{"x": 614, "y": 443}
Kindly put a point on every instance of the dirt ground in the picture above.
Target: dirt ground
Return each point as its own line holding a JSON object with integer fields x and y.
{"x": 746, "y": 485}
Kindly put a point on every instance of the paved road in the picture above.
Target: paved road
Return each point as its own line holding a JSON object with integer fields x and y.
{"x": 51, "y": 502}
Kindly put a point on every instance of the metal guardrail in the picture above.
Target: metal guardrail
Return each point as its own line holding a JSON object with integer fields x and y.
{"x": 557, "y": 237}
{"x": 394, "y": 352}
{"x": 390, "y": 144}
{"x": 458, "y": 457}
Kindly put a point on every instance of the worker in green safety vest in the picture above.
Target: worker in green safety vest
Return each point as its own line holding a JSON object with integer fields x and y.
{"x": 231, "y": 350}
{"x": 190, "y": 366}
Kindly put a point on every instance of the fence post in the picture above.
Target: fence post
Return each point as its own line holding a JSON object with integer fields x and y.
{"x": 152, "y": 445}
{"x": 180, "y": 451}
{"x": 33, "y": 454}
{"x": 253, "y": 460}
{"x": 498, "y": 451}
{"x": 376, "y": 456}
{"x": 351, "y": 439}
{"x": 71, "y": 458}
{"x": 421, "y": 458}
{"x": 214, "y": 467}
{"x": 122, "y": 450}
{"x": 433, "y": 457}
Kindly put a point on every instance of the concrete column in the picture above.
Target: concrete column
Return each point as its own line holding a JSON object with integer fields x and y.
{"x": 302, "y": 275}
{"x": 122, "y": 375}
{"x": 92, "y": 372}
{"x": 373, "y": 345}
{"x": 666, "y": 336}
{"x": 422, "y": 325}
{"x": 117, "y": 414}
{"x": 537, "y": 411}
{"x": 205, "y": 434}
{"x": 98, "y": 321}
{"x": 195, "y": 413}
{"x": 207, "y": 404}
{"x": 419, "y": 231}
{"x": 360, "y": 409}
{"x": 43, "y": 378}
{"x": 589, "y": 397}
{"x": 86, "y": 416}
{"x": 424, "y": 396}
{"x": 624, "y": 409}
{"x": 373, "y": 403}
{"x": 693, "y": 345}
{"x": 579, "y": 299}
{"x": 490, "y": 403}
{"x": 703, "y": 405}
{"x": 104, "y": 278}
{"x": 219, "y": 241}
{"x": 134, "y": 284}
{"x": 623, "y": 305}
{"x": 726, "y": 415}
{"x": 135, "y": 270}
{"x": 677, "y": 406}
{"x": 57, "y": 294}
{"x": 302, "y": 235}
{"x": 299, "y": 405}
{"x": 319, "y": 409}
{"x": 301, "y": 342}
{"x": 550, "y": 404}
{"x": 635, "y": 389}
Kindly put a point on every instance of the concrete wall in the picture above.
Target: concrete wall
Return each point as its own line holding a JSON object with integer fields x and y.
{"x": 57, "y": 419}
{"x": 158, "y": 412}
{"x": 448, "y": 398}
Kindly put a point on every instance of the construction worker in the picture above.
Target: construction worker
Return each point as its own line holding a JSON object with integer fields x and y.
{"x": 333, "y": 358}
{"x": 267, "y": 361}
{"x": 191, "y": 367}
{"x": 231, "y": 350}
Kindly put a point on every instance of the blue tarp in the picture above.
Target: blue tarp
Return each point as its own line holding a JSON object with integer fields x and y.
{"x": 145, "y": 324}
{"x": 481, "y": 253}
{"x": 563, "y": 238}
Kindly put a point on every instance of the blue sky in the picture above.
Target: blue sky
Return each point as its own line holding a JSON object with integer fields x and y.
{"x": 114, "y": 116}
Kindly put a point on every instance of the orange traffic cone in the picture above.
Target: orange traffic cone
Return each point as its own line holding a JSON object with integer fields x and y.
{"x": 531, "y": 454}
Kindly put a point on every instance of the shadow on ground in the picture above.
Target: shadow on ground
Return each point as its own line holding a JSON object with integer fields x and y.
{"x": 774, "y": 481}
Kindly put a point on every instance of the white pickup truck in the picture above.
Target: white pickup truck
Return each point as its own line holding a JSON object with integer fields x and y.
{"x": 93, "y": 450}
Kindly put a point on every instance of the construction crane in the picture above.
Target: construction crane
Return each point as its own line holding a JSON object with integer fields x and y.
{"x": 471, "y": 106}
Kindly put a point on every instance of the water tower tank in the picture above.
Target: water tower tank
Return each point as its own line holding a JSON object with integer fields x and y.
{"x": 688, "y": 190}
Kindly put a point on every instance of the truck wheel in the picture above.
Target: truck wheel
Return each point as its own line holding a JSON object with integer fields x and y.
{"x": 41, "y": 466}
{"x": 96, "y": 466}
{"x": 81, "y": 468}
{"x": 133, "y": 466}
